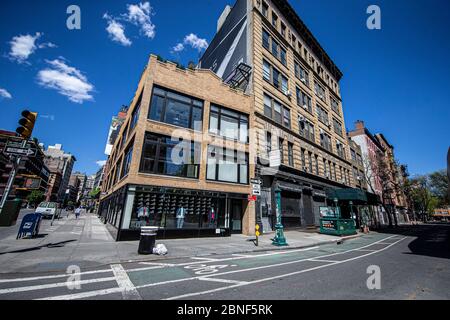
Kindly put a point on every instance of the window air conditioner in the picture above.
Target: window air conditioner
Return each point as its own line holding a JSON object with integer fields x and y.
{"x": 289, "y": 93}
{"x": 303, "y": 80}
{"x": 305, "y": 106}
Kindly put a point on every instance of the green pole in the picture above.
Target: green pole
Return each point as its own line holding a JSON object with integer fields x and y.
{"x": 279, "y": 239}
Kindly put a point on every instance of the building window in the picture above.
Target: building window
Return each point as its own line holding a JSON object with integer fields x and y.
{"x": 268, "y": 142}
{"x": 316, "y": 162}
{"x": 176, "y": 109}
{"x": 301, "y": 73}
{"x": 227, "y": 165}
{"x": 325, "y": 170}
{"x": 283, "y": 29}
{"x": 325, "y": 140}
{"x": 136, "y": 112}
{"x": 303, "y": 100}
{"x": 291, "y": 154}
{"x": 157, "y": 156}
{"x": 265, "y": 40}
{"x": 340, "y": 149}
{"x": 353, "y": 155}
{"x": 319, "y": 90}
{"x": 310, "y": 162}
{"x": 274, "y": 19}
{"x": 337, "y": 127}
{"x": 124, "y": 137}
{"x": 275, "y": 77}
{"x": 228, "y": 123}
{"x": 306, "y": 128}
{"x": 334, "y": 105}
{"x": 127, "y": 161}
{"x": 276, "y": 111}
{"x": 303, "y": 155}
{"x": 322, "y": 115}
{"x": 277, "y": 50}
{"x": 265, "y": 10}
{"x": 117, "y": 173}
{"x": 281, "y": 148}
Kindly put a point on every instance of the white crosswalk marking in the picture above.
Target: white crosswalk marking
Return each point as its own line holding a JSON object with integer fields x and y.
{"x": 129, "y": 291}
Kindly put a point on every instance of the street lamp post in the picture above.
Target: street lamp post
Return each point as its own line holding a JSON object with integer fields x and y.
{"x": 279, "y": 239}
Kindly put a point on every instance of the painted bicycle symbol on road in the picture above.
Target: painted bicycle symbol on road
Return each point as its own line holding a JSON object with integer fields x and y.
{"x": 202, "y": 269}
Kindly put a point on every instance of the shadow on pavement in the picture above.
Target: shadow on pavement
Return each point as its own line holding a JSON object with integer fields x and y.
{"x": 49, "y": 245}
{"x": 432, "y": 240}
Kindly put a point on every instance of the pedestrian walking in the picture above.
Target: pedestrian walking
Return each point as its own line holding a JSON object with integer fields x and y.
{"x": 77, "y": 212}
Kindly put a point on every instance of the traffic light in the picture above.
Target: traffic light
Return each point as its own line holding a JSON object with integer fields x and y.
{"x": 26, "y": 124}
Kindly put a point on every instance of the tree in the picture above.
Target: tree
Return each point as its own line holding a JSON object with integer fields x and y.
{"x": 439, "y": 188}
{"x": 95, "y": 193}
{"x": 382, "y": 178}
{"x": 35, "y": 197}
{"x": 421, "y": 194}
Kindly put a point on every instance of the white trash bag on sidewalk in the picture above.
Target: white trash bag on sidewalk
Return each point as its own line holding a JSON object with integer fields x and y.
{"x": 160, "y": 250}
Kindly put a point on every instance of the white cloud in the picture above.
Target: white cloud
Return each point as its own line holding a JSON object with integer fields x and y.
{"x": 116, "y": 31}
{"x": 47, "y": 45}
{"x": 178, "y": 48}
{"x": 67, "y": 80}
{"x": 23, "y": 46}
{"x": 191, "y": 40}
{"x": 195, "y": 42}
{"x": 139, "y": 14}
{"x": 101, "y": 163}
{"x": 5, "y": 94}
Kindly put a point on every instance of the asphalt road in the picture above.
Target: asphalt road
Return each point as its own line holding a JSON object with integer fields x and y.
{"x": 413, "y": 263}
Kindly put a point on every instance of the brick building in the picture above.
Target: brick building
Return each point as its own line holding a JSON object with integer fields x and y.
{"x": 297, "y": 108}
{"x": 143, "y": 186}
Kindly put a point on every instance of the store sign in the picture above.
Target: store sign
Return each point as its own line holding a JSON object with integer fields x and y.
{"x": 329, "y": 225}
{"x": 32, "y": 183}
{"x": 275, "y": 158}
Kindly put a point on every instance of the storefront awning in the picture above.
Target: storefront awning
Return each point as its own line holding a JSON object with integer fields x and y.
{"x": 357, "y": 196}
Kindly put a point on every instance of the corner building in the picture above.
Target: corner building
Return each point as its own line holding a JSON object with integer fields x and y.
{"x": 297, "y": 108}
{"x": 205, "y": 195}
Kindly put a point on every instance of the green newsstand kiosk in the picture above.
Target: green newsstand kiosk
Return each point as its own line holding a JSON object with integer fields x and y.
{"x": 332, "y": 223}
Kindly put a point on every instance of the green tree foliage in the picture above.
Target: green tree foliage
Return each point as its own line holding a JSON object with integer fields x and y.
{"x": 36, "y": 197}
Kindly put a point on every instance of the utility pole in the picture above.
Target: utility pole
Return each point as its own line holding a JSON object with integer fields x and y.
{"x": 25, "y": 129}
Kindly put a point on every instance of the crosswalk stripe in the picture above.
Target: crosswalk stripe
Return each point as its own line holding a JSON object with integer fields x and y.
{"x": 129, "y": 291}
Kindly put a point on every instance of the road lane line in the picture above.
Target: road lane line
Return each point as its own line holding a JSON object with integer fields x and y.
{"x": 279, "y": 276}
{"x": 54, "y": 276}
{"x": 205, "y": 259}
{"x": 321, "y": 260}
{"x": 369, "y": 250}
{"x": 55, "y": 285}
{"x": 160, "y": 264}
{"x": 129, "y": 291}
{"x": 222, "y": 280}
{"x": 84, "y": 295}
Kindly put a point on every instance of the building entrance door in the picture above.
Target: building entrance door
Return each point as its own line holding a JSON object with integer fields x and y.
{"x": 236, "y": 215}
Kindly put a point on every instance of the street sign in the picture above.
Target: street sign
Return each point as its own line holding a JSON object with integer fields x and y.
{"x": 256, "y": 189}
{"x": 257, "y": 233}
{"x": 255, "y": 181}
{"x": 252, "y": 198}
{"x": 20, "y": 151}
{"x": 18, "y": 143}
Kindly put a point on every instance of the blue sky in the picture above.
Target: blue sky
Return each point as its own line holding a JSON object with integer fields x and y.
{"x": 396, "y": 78}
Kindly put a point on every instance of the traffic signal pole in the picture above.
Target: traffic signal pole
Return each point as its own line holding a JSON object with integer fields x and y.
{"x": 12, "y": 177}
{"x": 25, "y": 129}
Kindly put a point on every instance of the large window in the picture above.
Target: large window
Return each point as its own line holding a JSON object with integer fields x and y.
{"x": 176, "y": 109}
{"x": 340, "y": 149}
{"x": 135, "y": 114}
{"x": 325, "y": 140}
{"x": 274, "y": 47}
{"x": 276, "y": 111}
{"x": 291, "y": 153}
{"x": 127, "y": 161}
{"x": 227, "y": 165}
{"x": 322, "y": 115}
{"x": 275, "y": 77}
{"x": 319, "y": 90}
{"x": 228, "y": 123}
{"x": 306, "y": 128}
{"x": 337, "y": 127}
{"x": 334, "y": 105}
{"x": 303, "y": 100}
{"x": 162, "y": 155}
{"x": 301, "y": 73}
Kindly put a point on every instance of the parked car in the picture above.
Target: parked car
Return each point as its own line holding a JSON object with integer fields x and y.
{"x": 48, "y": 209}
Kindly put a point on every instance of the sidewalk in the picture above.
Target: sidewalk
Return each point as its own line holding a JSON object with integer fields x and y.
{"x": 87, "y": 243}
